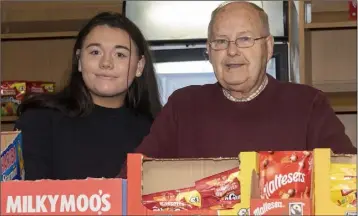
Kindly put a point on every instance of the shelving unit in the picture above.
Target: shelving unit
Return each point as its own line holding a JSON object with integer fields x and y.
{"x": 324, "y": 20}
{"x": 8, "y": 118}
{"x": 324, "y": 55}
{"x": 37, "y": 38}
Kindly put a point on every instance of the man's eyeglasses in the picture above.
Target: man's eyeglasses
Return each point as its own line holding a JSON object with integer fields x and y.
{"x": 241, "y": 42}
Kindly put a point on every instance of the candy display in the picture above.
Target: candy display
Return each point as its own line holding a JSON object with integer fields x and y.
{"x": 219, "y": 191}
{"x": 282, "y": 175}
{"x": 285, "y": 174}
{"x": 12, "y": 93}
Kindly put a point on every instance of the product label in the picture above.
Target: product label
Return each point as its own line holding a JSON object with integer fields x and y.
{"x": 70, "y": 197}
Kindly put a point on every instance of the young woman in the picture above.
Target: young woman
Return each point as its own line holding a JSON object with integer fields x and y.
{"x": 103, "y": 113}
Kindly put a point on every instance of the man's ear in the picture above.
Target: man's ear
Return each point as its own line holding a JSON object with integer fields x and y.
{"x": 78, "y": 60}
{"x": 269, "y": 44}
{"x": 208, "y": 52}
{"x": 140, "y": 67}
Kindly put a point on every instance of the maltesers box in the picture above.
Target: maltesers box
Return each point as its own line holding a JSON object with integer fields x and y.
{"x": 323, "y": 158}
{"x": 12, "y": 163}
{"x": 149, "y": 175}
{"x": 291, "y": 206}
{"x": 67, "y": 197}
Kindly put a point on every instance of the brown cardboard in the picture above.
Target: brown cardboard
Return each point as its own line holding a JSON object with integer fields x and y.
{"x": 148, "y": 175}
{"x": 6, "y": 139}
{"x": 344, "y": 158}
{"x": 161, "y": 175}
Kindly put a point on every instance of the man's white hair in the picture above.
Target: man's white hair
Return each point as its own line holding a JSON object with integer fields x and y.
{"x": 262, "y": 14}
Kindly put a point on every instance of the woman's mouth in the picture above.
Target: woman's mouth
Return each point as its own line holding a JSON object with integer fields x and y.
{"x": 105, "y": 77}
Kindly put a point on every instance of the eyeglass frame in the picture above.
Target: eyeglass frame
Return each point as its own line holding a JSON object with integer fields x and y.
{"x": 235, "y": 41}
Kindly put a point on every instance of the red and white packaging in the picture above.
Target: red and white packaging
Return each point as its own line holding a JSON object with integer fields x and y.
{"x": 220, "y": 191}
{"x": 353, "y": 9}
{"x": 285, "y": 174}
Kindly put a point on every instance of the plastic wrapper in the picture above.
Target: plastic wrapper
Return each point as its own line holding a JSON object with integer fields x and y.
{"x": 344, "y": 184}
{"x": 285, "y": 174}
{"x": 34, "y": 87}
{"x": 220, "y": 191}
{"x": 173, "y": 200}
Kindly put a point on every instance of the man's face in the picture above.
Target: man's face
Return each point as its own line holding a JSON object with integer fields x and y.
{"x": 240, "y": 69}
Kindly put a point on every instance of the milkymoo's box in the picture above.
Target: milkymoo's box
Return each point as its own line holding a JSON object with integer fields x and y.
{"x": 12, "y": 163}
{"x": 68, "y": 197}
{"x": 148, "y": 175}
{"x": 323, "y": 159}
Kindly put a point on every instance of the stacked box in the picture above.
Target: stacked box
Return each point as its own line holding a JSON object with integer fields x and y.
{"x": 323, "y": 160}
{"x": 12, "y": 163}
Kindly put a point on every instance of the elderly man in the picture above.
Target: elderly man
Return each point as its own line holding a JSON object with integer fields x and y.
{"x": 247, "y": 110}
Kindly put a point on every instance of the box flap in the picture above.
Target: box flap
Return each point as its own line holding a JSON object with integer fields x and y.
{"x": 161, "y": 175}
{"x": 7, "y": 138}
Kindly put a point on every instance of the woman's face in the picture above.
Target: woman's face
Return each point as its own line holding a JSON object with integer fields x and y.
{"x": 107, "y": 65}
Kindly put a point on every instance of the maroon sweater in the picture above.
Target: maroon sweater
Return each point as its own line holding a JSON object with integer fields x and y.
{"x": 199, "y": 121}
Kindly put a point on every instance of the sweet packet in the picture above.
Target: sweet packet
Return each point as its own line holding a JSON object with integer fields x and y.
{"x": 285, "y": 174}
{"x": 34, "y": 87}
{"x": 344, "y": 184}
{"x": 12, "y": 93}
{"x": 220, "y": 191}
{"x": 173, "y": 200}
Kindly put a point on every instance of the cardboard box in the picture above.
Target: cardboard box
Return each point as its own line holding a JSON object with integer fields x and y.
{"x": 323, "y": 158}
{"x": 12, "y": 163}
{"x": 70, "y": 197}
{"x": 148, "y": 175}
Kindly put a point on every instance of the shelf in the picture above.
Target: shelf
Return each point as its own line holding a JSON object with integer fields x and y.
{"x": 68, "y": 34}
{"x": 8, "y": 119}
{"x": 329, "y": 20}
{"x": 41, "y": 29}
{"x": 343, "y": 101}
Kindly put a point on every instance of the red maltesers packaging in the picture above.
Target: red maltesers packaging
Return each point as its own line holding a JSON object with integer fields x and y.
{"x": 285, "y": 174}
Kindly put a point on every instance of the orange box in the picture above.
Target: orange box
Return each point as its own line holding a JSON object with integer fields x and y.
{"x": 148, "y": 175}
{"x": 323, "y": 158}
{"x": 70, "y": 197}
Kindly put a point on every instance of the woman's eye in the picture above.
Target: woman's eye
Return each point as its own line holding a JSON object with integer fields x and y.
{"x": 94, "y": 52}
{"x": 121, "y": 55}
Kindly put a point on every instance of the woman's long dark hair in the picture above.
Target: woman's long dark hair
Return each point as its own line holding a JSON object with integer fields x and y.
{"x": 75, "y": 99}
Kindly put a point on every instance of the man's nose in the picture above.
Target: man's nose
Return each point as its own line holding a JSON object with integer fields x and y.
{"x": 233, "y": 49}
